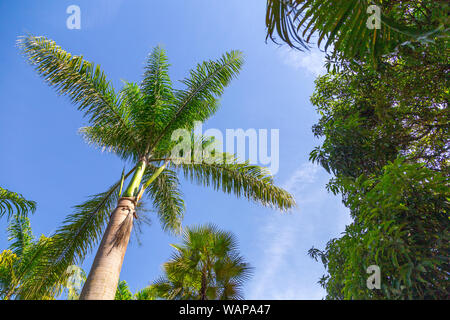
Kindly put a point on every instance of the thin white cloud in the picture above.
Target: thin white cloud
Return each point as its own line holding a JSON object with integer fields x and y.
{"x": 283, "y": 269}
{"x": 312, "y": 61}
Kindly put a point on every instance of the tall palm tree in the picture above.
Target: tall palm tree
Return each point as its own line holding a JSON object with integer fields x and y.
{"x": 14, "y": 203}
{"x": 137, "y": 124}
{"x": 343, "y": 24}
{"x": 206, "y": 266}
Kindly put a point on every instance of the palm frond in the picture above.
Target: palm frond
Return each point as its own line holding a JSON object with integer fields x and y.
{"x": 69, "y": 245}
{"x": 123, "y": 291}
{"x": 343, "y": 24}
{"x": 242, "y": 179}
{"x": 109, "y": 138}
{"x": 19, "y": 234}
{"x": 8, "y": 266}
{"x": 166, "y": 197}
{"x": 156, "y": 88}
{"x": 199, "y": 101}
{"x": 12, "y": 202}
{"x": 148, "y": 293}
{"x": 83, "y": 82}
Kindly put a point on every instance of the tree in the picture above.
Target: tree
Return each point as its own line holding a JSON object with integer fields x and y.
{"x": 124, "y": 293}
{"x": 206, "y": 266}
{"x": 385, "y": 133}
{"x": 137, "y": 124}
{"x": 401, "y": 225}
{"x": 342, "y": 24}
{"x": 17, "y": 263}
{"x": 14, "y": 203}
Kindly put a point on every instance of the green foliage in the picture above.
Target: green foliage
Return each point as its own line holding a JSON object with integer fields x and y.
{"x": 123, "y": 291}
{"x": 242, "y": 179}
{"x": 11, "y": 203}
{"x": 385, "y": 136}
{"x": 341, "y": 24}
{"x": 20, "y": 264}
{"x": 166, "y": 197}
{"x": 71, "y": 242}
{"x": 206, "y": 266}
{"x": 402, "y": 225}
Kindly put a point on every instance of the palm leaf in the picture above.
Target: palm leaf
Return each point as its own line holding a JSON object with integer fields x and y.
{"x": 83, "y": 82}
{"x": 199, "y": 101}
{"x": 69, "y": 245}
{"x": 123, "y": 291}
{"x": 342, "y": 23}
{"x": 20, "y": 235}
{"x": 11, "y": 202}
{"x": 156, "y": 87}
{"x": 166, "y": 197}
{"x": 242, "y": 179}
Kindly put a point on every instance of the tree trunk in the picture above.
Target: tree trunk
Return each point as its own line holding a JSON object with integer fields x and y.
{"x": 204, "y": 285}
{"x": 103, "y": 278}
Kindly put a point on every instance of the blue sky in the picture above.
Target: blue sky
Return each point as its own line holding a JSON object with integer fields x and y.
{"x": 45, "y": 159}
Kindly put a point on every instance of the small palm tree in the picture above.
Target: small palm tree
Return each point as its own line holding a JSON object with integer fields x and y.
{"x": 17, "y": 263}
{"x": 123, "y": 292}
{"x": 137, "y": 124}
{"x": 206, "y": 266}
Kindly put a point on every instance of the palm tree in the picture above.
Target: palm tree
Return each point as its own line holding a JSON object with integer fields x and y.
{"x": 343, "y": 24}
{"x": 137, "y": 124}
{"x": 206, "y": 266}
{"x": 17, "y": 263}
{"x": 123, "y": 292}
{"x": 14, "y": 203}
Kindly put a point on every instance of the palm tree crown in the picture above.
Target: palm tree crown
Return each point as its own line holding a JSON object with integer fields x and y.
{"x": 206, "y": 266}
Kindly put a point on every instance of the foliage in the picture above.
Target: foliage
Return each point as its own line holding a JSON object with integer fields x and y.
{"x": 370, "y": 116}
{"x": 385, "y": 136}
{"x": 123, "y": 293}
{"x": 402, "y": 225}
{"x": 341, "y": 24}
{"x": 19, "y": 262}
{"x": 14, "y": 203}
{"x": 206, "y": 266}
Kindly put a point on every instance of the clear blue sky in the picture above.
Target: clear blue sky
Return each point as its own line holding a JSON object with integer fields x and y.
{"x": 44, "y": 158}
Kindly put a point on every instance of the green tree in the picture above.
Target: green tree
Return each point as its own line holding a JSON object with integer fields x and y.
{"x": 206, "y": 266}
{"x": 137, "y": 124}
{"x": 385, "y": 133}
{"x": 402, "y": 226}
{"x": 342, "y": 24}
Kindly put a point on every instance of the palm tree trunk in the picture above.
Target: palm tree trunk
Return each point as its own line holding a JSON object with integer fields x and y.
{"x": 103, "y": 278}
{"x": 203, "y": 287}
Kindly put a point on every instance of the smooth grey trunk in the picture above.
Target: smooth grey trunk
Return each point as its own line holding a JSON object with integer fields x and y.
{"x": 103, "y": 278}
